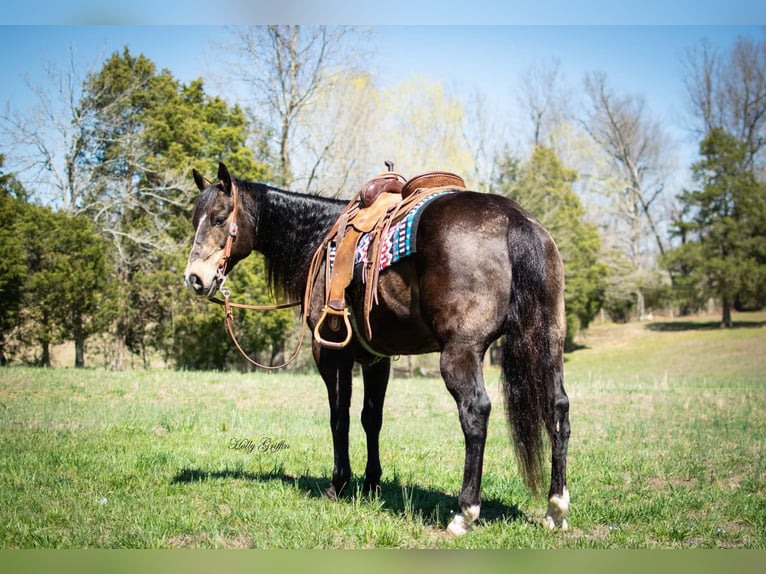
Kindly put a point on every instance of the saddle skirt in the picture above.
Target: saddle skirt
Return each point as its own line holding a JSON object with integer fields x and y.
{"x": 376, "y": 229}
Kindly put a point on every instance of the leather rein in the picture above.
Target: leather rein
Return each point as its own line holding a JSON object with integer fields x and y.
{"x": 228, "y": 305}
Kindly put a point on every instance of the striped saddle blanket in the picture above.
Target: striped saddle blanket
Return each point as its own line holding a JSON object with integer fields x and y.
{"x": 399, "y": 243}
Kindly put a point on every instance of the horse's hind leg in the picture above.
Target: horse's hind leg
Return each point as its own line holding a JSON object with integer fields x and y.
{"x": 558, "y": 496}
{"x": 558, "y": 427}
{"x": 461, "y": 368}
{"x": 375, "y": 384}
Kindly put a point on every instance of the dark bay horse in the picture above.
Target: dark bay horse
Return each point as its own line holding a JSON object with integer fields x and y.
{"x": 484, "y": 269}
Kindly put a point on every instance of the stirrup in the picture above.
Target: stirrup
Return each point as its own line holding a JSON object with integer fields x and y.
{"x": 336, "y": 311}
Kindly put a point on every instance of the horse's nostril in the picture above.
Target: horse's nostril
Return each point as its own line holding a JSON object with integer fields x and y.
{"x": 194, "y": 283}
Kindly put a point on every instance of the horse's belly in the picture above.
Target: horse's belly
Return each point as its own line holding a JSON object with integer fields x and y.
{"x": 396, "y": 322}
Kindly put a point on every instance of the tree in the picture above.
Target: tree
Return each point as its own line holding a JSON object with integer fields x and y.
{"x": 118, "y": 148}
{"x": 424, "y": 128}
{"x": 344, "y": 140}
{"x": 285, "y": 67}
{"x": 543, "y": 186}
{"x": 146, "y": 132}
{"x": 483, "y": 135}
{"x": 728, "y": 91}
{"x": 46, "y": 140}
{"x": 67, "y": 283}
{"x": 417, "y": 124}
{"x": 183, "y": 126}
{"x": 542, "y": 95}
{"x": 115, "y": 97}
{"x": 723, "y": 249}
{"x": 13, "y": 271}
{"x": 638, "y": 152}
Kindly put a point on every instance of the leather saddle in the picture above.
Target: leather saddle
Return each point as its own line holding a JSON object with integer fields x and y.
{"x": 382, "y": 201}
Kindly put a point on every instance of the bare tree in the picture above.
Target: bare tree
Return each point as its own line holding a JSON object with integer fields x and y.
{"x": 638, "y": 150}
{"x": 483, "y": 133}
{"x": 45, "y": 141}
{"x": 417, "y": 124}
{"x": 544, "y": 98}
{"x": 284, "y": 68}
{"x": 338, "y": 141}
{"x": 423, "y": 128}
{"x": 729, "y": 91}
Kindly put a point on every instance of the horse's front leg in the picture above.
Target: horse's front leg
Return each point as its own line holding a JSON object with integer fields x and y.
{"x": 461, "y": 368}
{"x": 375, "y": 384}
{"x": 335, "y": 367}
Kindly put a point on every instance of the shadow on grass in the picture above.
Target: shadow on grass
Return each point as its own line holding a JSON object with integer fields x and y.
{"x": 436, "y": 508}
{"x": 677, "y": 326}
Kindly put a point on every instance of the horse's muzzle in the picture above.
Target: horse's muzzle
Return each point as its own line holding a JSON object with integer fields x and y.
{"x": 195, "y": 283}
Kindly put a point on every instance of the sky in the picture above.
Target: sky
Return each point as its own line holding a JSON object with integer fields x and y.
{"x": 465, "y": 12}
{"x": 481, "y": 45}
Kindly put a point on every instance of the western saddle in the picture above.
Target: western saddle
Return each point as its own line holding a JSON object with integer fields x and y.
{"x": 381, "y": 202}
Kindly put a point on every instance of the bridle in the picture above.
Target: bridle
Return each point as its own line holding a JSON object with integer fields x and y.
{"x": 223, "y": 262}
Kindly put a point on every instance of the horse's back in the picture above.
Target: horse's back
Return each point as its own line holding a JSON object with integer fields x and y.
{"x": 458, "y": 283}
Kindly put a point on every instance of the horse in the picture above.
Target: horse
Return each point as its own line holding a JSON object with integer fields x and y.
{"x": 484, "y": 269}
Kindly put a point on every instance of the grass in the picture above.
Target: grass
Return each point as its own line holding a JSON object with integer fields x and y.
{"x": 667, "y": 450}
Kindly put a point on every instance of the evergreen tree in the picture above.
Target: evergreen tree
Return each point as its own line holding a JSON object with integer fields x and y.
{"x": 13, "y": 271}
{"x": 147, "y": 131}
{"x": 67, "y": 283}
{"x": 723, "y": 251}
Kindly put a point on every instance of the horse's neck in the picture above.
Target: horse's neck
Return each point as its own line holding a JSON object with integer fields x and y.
{"x": 294, "y": 216}
{"x": 291, "y": 227}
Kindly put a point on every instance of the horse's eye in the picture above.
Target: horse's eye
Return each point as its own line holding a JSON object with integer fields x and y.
{"x": 219, "y": 220}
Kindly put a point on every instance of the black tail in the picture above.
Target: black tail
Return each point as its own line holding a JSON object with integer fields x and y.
{"x": 528, "y": 369}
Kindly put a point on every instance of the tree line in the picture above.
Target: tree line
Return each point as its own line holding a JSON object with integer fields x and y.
{"x": 95, "y": 216}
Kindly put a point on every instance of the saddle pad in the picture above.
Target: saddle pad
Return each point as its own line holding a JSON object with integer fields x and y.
{"x": 398, "y": 244}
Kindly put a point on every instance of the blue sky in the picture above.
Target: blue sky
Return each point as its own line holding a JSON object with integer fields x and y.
{"x": 480, "y": 45}
{"x": 640, "y": 59}
{"x": 525, "y": 12}
{"x": 637, "y": 59}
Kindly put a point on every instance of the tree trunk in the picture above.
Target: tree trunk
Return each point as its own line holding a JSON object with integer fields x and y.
{"x": 45, "y": 360}
{"x": 640, "y": 307}
{"x": 726, "y": 314}
{"x": 118, "y": 363}
{"x": 284, "y": 154}
{"x": 79, "y": 351}
{"x": 277, "y": 353}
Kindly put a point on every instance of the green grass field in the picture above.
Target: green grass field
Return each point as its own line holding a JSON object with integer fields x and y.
{"x": 668, "y": 450}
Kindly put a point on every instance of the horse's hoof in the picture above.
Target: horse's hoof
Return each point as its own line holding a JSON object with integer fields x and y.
{"x": 558, "y": 506}
{"x": 463, "y": 521}
{"x": 552, "y": 524}
{"x": 459, "y": 526}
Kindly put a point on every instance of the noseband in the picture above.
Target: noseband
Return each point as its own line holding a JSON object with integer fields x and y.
{"x": 232, "y": 235}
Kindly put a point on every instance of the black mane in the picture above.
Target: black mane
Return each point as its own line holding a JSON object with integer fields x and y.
{"x": 288, "y": 228}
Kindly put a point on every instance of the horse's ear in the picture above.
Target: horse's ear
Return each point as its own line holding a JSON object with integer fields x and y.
{"x": 200, "y": 180}
{"x": 224, "y": 177}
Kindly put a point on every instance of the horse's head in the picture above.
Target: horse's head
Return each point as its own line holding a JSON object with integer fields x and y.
{"x": 218, "y": 244}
